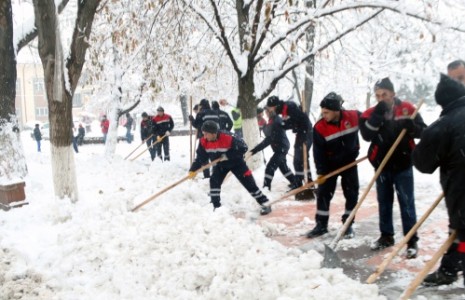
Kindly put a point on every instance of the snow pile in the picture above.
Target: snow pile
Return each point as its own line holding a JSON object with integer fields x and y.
{"x": 172, "y": 248}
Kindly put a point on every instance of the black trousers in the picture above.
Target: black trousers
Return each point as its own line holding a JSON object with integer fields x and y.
{"x": 165, "y": 144}
{"x": 278, "y": 160}
{"x": 242, "y": 173}
{"x": 300, "y": 141}
{"x": 350, "y": 188}
{"x": 152, "y": 152}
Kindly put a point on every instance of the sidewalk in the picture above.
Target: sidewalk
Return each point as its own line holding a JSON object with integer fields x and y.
{"x": 290, "y": 220}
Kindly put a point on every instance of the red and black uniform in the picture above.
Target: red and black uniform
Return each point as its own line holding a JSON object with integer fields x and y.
{"x": 294, "y": 118}
{"x": 382, "y": 131}
{"x": 336, "y": 144}
{"x": 234, "y": 149}
{"x": 146, "y": 132}
{"x": 275, "y": 135}
{"x": 163, "y": 125}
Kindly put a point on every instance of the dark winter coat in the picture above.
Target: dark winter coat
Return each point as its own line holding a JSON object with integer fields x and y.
{"x": 442, "y": 145}
{"x": 162, "y": 124}
{"x": 275, "y": 135}
{"x": 37, "y": 134}
{"x": 205, "y": 114}
{"x": 294, "y": 118}
{"x": 129, "y": 122}
{"x": 382, "y": 132}
{"x": 336, "y": 144}
{"x": 234, "y": 148}
{"x": 81, "y": 132}
{"x": 146, "y": 128}
{"x": 224, "y": 120}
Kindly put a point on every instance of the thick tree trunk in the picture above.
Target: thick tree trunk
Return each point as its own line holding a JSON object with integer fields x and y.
{"x": 13, "y": 166}
{"x": 247, "y": 103}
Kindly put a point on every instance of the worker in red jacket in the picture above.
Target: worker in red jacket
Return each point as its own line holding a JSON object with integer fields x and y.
{"x": 163, "y": 125}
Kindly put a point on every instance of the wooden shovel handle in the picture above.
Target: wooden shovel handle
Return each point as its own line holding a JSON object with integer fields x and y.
{"x": 174, "y": 184}
{"x": 153, "y": 144}
{"x": 420, "y": 276}
{"x": 399, "y": 246}
{"x": 143, "y": 142}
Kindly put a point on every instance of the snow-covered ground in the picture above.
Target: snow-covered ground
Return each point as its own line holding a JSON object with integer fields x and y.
{"x": 175, "y": 247}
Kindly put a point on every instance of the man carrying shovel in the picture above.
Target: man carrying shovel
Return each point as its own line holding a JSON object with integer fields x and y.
{"x": 381, "y": 125}
{"x": 216, "y": 144}
{"x": 335, "y": 144}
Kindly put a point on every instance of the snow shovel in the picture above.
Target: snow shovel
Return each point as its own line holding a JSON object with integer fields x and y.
{"x": 175, "y": 184}
{"x": 328, "y": 261}
{"x": 420, "y": 276}
{"x": 312, "y": 183}
{"x": 153, "y": 144}
{"x": 138, "y": 147}
{"x": 399, "y": 246}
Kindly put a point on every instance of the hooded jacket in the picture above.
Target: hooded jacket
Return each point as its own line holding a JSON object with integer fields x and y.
{"x": 442, "y": 145}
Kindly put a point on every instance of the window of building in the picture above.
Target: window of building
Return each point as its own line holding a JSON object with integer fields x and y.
{"x": 38, "y": 86}
{"x": 18, "y": 86}
{"x": 77, "y": 100}
{"x": 41, "y": 111}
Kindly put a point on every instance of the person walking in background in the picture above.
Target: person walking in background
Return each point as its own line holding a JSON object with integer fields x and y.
{"x": 456, "y": 70}
{"x": 105, "y": 124}
{"x": 381, "y": 125}
{"x": 442, "y": 145}
{"x": 146, "y": 133}
{"x": 81, "y": 134}
{"x": 37, "y": 136}
{"x": 335, "y": 144}
{"x": 275, "y": 135}
{"x": 163, "y": 125}
{"x": 219, "y": 144}
{"x": 237, "y": 121}
{"x": 224, "y": 119}
{"x": 294, "y": 118}
{"x": 129, "y": 125}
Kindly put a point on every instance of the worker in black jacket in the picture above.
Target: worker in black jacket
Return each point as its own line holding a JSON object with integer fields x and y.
{"x": 275, "y": 135}
{"x": 217, "y": 144}
{"x": 298, "y": 121}
{"x": 442, "y": 145}
{"x": 335, "y": 145}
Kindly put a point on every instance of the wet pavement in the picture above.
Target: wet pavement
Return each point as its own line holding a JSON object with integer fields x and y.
{"x": 290, "y": 220}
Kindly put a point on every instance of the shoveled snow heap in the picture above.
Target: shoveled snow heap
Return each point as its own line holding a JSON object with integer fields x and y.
{"x": 172, "y": 248}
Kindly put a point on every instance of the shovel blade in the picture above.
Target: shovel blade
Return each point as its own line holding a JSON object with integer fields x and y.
{"x": 330, "y": 259}
{"x": 305, "y": 195}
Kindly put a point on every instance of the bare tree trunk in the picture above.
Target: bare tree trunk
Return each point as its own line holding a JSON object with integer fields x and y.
{"x": 310, "y": 62}
{"x": 13, "y": 166}
{"x": 59, "y": 94}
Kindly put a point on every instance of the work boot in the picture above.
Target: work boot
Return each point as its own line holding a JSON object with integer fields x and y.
{"x": 265, "y": 208}
{"x": 319, "y": 230}
{"x": 267, "y": 186}
{"x": 383, "y": 242}
{"x": 349, "y": 233}
{"x": 412, "y": 250}
{"x": 439, "y": 277}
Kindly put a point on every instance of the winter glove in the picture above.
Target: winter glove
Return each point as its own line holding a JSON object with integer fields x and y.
{"x": 320, "y": 180}
{"x": 159, "y": 138}
{"x": 191, "y": 174}
{"x": 407, "y": 124}
{"x": 167, "y": 133}
{"x": 191, "y": 118}
{"x": 224, "y": 157}
{"x": 381, "y": 108}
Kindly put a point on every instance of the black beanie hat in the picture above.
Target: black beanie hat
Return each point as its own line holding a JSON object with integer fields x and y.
{"x": 448, "y": 90}
{"x": 215, "y": 105}
{"x": 332, "y": 101}
{"x": 160, "y": 109}
{"x": 144, "y": 114}
{"x": 204, "y": 103}
{"x": 272, "y": 101}
{"x": 210, "y": 127}
{"x": 384, "y": 83}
